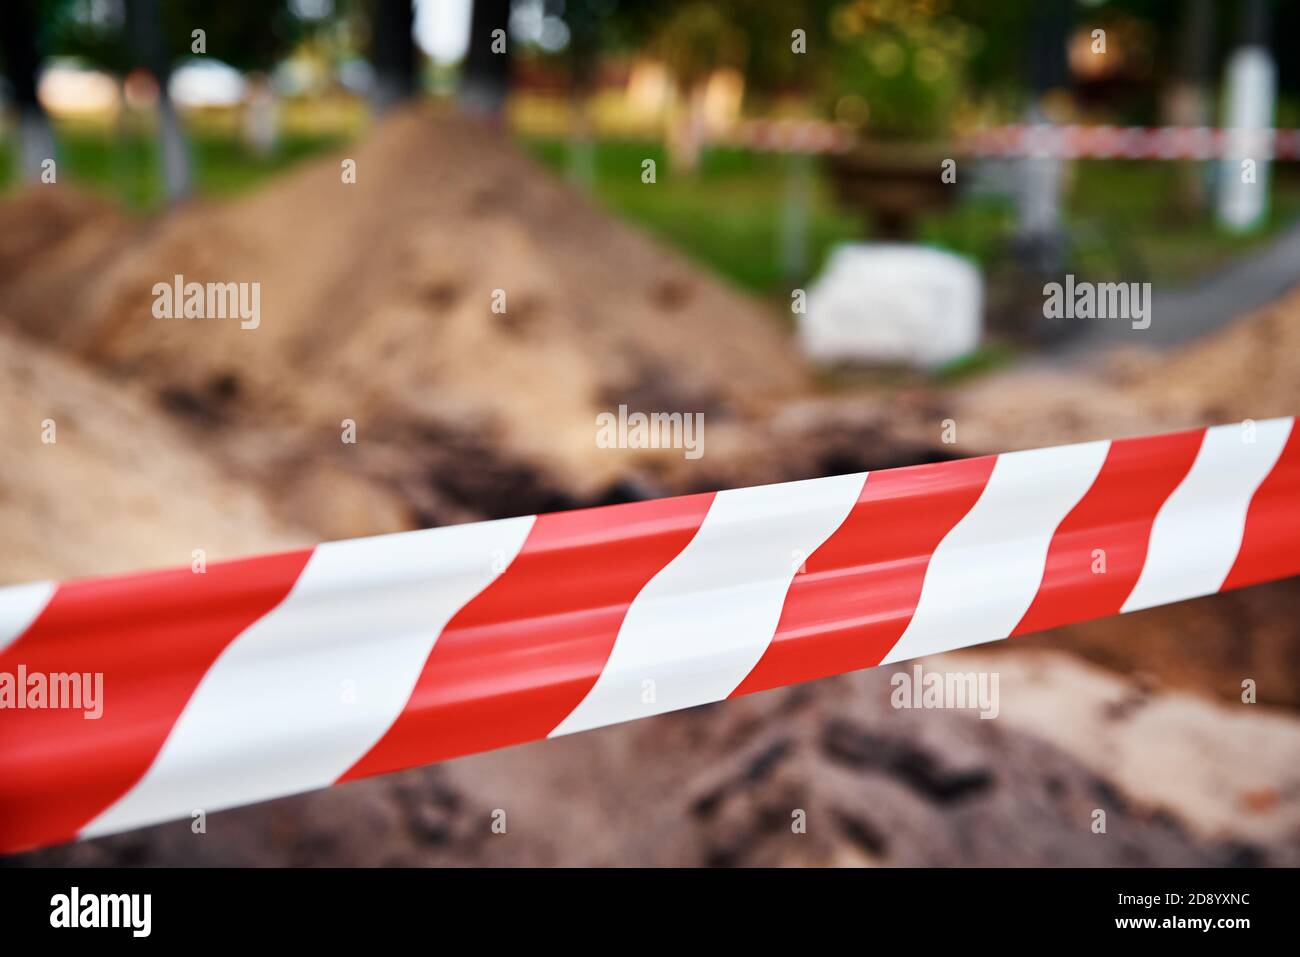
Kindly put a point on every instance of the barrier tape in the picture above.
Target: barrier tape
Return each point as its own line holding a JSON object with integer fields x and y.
{"x": 283, "y": 673}
{"x": 792, "y": 136}
{"x": 1134, "y": 142}
{"x": 1064, "y": 141}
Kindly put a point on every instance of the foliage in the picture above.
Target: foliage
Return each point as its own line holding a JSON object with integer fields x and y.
{"x": 248, "y": 36}
{"x": 899, "y": 65}
{"x": 697, "y": 39}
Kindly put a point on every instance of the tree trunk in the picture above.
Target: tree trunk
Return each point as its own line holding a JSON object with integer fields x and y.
{"x": 394, "y": 53}
{"x": 687, "y": 129}
{"x": 485, "y": 76}
{"x": 1039, "y": 204}
{"x": 584, "y": 57}
{"x": 143, "y": 19}
{"x": 18, "y": 41}
{"x": 261, "y": 119}
{"x": 1188, "y": 101}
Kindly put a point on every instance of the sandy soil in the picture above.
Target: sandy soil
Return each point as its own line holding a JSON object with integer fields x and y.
{"x": 119, "y": 488}
{"x": 398, "y": 272}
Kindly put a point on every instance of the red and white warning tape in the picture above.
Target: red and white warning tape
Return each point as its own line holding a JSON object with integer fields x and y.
{"x": 279, "y": 674}
{"x": 1133, "y": 142}
{"x": 792, "y": 136}
{"x": 1066, "y": 141}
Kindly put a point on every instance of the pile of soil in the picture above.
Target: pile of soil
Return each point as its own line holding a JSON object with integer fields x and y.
{"x": 377, "y": 306}
{"x": 1248, "y": 369}
{"x": 95, "y": 479}
{"x": 54, "y": 242}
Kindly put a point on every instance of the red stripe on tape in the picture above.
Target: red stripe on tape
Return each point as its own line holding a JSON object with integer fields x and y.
{"x": 857, "y": 592}
{"x": 152, "y": 637}
{"x": 519, "y": 657}
{"x": 1270, "y": 545}
{"x": 1109, "y": 529}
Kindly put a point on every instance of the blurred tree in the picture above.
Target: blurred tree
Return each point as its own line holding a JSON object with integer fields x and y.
{"x": 899, "y": 66}
{"x": 249, "y": 36}
{"x": 589, "y": 23}
{"x": 151, "y": 53}
{"x": 485, "y": 74}
{"x": 1039, "y": 178}
{"x": 575, "y": 35}
{"x": 1187, "y": 102}
{"x": 393, "y": 52}
{"x": 19, "y": 45}
{"x": 121, "y": 35}
{"x": 695, "y": 41}
{"x": 772, "y": 65}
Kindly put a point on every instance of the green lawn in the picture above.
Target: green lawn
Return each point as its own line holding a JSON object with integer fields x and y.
{"x": 1123, "y": 216}
{"x": 125, "y": 166}
{"x": 727, "y": 215}
{"x": 1129, "y": 217}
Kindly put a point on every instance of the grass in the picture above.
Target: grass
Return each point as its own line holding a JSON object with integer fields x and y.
{"x": 727, "y": 215}
{"x": 985, "y": 358}
{"x": 1124, "y": 217}
{"x": 1129, "y": 215}
{"x": 125, "y": 164}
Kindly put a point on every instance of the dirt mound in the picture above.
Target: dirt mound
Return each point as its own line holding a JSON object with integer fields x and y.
{"x": 119, "y": 488}
{"x": 377, "y": 304}
{"x": 54, "y": 241}
{"x": 1228, "y": 770}
{"x": 1249, "y": 369}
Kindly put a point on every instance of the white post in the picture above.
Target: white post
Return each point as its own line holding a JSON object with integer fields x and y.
{"x": 1251, "y": 94}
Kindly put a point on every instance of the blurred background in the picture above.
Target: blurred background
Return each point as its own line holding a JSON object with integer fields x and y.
{"x": 830, "y": 226}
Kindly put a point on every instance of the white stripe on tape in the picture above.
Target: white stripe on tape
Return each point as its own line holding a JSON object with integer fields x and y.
{"x": 1197, "y": 532}
{"x": 298, "y": 698}
{"x": 19, "y": 607}
{"x": 986, "y": 571}
{"x": 701, "y": 624}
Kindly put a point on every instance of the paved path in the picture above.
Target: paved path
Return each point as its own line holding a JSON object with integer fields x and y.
{"x": 1181, "y": 314}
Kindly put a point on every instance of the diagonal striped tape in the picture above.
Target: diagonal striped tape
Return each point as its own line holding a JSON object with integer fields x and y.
{"x": 284, "y": 673}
